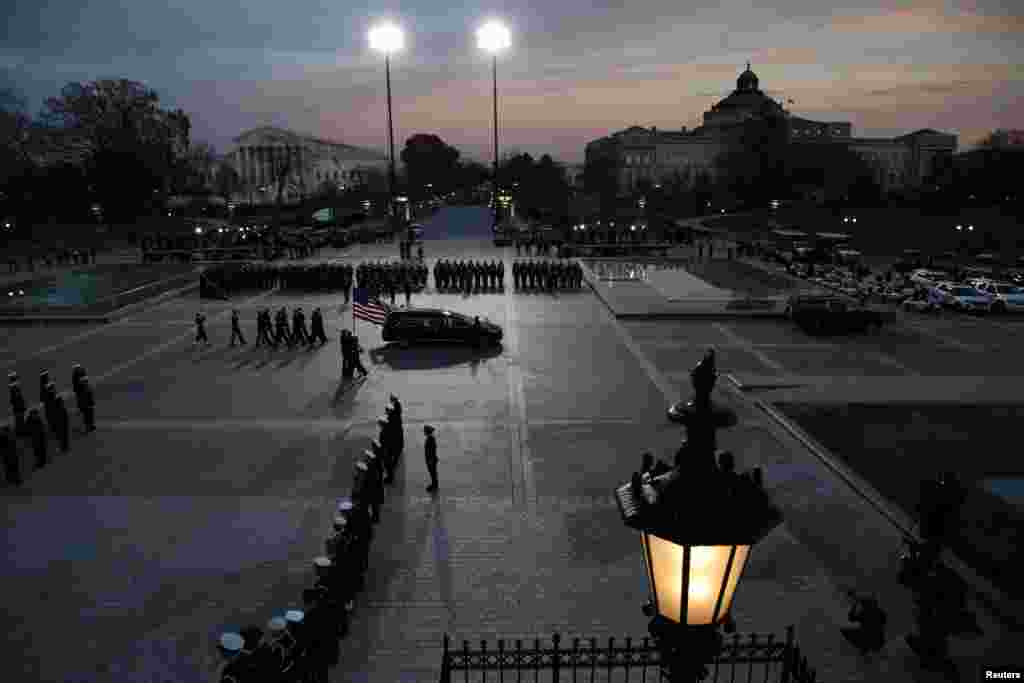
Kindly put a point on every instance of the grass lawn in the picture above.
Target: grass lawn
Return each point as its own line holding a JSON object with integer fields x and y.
{"x": 894, "y": 447}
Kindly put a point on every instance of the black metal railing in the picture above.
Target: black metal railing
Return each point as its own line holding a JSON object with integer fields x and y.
{"x": 743, "y": 657}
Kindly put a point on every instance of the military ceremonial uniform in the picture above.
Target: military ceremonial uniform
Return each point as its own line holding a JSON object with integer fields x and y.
{"x": 87, "y": 405}
{"x": 18, "y": 406}
{"x": 236, "y": 330}
{"x": 201, "y": 329}
{"x": 11, "y": 458}
{"x": 37, "y": 432}
{"x": 318, "y": 333}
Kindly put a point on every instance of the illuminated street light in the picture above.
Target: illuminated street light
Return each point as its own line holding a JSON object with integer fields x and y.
{"x": 199, "y": 231}
{"x": 970, "y": 227}
{"x": 494, "y": 37}
{"x": 388, "y": 38}
{"x": 960, "y": 227}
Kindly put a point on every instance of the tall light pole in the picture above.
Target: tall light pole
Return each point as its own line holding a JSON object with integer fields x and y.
{"x": 388, "y": 38}
{"x": 494, "y": 37}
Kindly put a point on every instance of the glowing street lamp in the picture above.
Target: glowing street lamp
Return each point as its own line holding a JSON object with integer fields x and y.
{"x": 388, "y": 38}
{"x": 494, "y": 37}
{"x": 697, "y": 524}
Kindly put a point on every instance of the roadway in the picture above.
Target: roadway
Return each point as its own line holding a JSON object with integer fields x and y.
{"x": 208, "y": 488}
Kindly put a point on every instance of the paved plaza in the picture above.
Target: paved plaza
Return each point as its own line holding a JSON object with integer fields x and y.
{"x": 210, "y": 484}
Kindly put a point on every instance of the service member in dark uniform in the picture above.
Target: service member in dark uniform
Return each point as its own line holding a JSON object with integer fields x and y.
{"x": 201, "y": 329}
{"x": 37, "y": 432}
{"x": 11, "y": 458}
{"x": 77, "y": 373}
{"x": 87, "y": 405}
{"x": 236, "y": 329}
{"x": 347, "y": 369}
{"x": 299, "y": 333}
{"x": 317, "y": 323}
{"x": 61, "y": 423}
{"x": 18, "y": 406}
{"x": 430, "y": 456}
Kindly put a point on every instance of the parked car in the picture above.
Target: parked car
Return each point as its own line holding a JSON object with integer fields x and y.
{"x": 1005, "y": 296}
{"x": 410, "y": 325}
{"x": 963, "y": 298}
{"x": 928, "y": 278}
{"x": 824, "y": 313}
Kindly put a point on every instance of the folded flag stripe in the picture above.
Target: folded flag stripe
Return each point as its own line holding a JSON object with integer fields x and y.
{"x": 363, "y": 308}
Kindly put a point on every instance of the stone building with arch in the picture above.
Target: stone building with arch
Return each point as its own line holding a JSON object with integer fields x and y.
{"x": 657, "y": 155}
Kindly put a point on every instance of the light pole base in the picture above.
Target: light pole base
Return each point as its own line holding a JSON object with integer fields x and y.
{"x": 685, "y": 650}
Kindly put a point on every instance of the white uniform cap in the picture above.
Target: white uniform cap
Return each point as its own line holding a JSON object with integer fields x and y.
{"x": 322, "y": 562}
{"x": 340, "y": 523}
{"x": 382, "y": 421}
{"x": 294, "y": 616}
{"x": 344, "y": 505}
{"x": 277, "y": 624}
{"x": 232, "y": 642}
{"x": 362, "y": 466}
{"x": 370, "y": 454}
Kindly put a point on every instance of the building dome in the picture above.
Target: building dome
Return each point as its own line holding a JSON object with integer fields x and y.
{"x": 747, "y": 81}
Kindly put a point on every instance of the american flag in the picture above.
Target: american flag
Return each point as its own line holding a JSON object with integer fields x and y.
{"x": 364, "y": 309}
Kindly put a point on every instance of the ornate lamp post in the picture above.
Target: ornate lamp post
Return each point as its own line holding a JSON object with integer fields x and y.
{"x": 494, "y": 37}
{"x": 388, "y": 38}
{"x": 697, "y": 525}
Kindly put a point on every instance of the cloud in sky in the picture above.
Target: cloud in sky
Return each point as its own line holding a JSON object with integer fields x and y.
{"x": 578, "y": 69}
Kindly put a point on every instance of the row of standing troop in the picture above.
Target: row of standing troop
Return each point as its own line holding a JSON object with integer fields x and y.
{"x": 302, "y": 645}
{"x": 29, "y": 423}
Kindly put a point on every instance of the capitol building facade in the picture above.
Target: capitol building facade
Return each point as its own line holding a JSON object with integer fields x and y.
{"x": 258, "y": 155}
{"x": 642, "y": 153}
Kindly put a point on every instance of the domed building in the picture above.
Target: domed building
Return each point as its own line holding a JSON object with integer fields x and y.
{"x": 643, "y": 153}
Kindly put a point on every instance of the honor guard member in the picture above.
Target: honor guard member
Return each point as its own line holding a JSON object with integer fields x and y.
{"x": 396, "y": 414}
{"x": 86, "y": 405}
{"x": 77, "y": 373}
{"x": 236, "y": 329}
{"x": 346, "y": 355}
{"x": 18, "y": 406}
{"x": 320, "y": 633}
{"x": 37, "y": 432}
{"x": 281, "y": 333}
{"x": 501, "y": 275}
{"x": 10, "y": 456}
{"x": 201, "y": 329}
{"x": 317, "y": 322}
{"x": 238, "y": 667}
{"x": 354, "y": 358}
{"x": 260, "y": 334}
{"x": 374, "y": 484}
{"x": 62, "y": 423}
{"x": 49, "y": 394}
{"x": 430, "y": 456}
{"x": 44, "y": 380}
{"x": 299, "y": 332}
{"x": 407, "y": 286}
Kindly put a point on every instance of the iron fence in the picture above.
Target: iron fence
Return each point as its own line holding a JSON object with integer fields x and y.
{"x": 752, "y": 656}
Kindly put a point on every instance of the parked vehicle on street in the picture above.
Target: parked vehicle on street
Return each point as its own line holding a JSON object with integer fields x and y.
{"x": 963, "y": 298}
{"x": 829, "y": 313}
{"x": 1006, "y": 296}
{"x": 409, "y": 325}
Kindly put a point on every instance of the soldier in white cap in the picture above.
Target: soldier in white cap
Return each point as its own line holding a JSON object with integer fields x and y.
{"x": 77, "y": 373}
{"x": 374, "y": 484}
{"x": 86, "y": 404}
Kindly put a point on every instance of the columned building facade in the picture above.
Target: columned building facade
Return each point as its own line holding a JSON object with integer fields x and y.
{"x": 658, "y": 156}
{"x": 261, "y": 155}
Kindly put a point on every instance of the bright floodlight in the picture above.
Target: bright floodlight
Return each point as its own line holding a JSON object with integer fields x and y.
{"x": 386, "y": 38}
{"x": 493, "y": 37}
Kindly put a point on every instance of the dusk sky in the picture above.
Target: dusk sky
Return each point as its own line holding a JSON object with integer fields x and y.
{"x": 577, "y": 69}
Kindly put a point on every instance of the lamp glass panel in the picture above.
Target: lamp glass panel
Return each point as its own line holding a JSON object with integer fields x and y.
{"x": 667, "y": 575}
{"x": 738, "y": 563}
{"x": 707, "y": 570}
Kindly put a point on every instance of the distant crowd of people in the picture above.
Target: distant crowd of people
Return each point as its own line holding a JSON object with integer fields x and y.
{"x": 303, "y": 644}
{"x": 469, "y": 276}
{"x": 547, "y": 275}
{"x": 29, "y": 423}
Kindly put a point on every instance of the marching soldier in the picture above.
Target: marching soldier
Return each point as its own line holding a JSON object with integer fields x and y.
{"x": 355, "y": 361}
{"x": 281, "y": 332}
{"x": 347, "y": 370}
{"x": 260, "y": 330}
{"x": 201, "y": 329}
{"x": 37, "y": 432}
{"x": 11, "y": 458}
{"x": 18, "y": 406}
{"x": 396, "y": 412}
{"x": 317, "y": 321}
{"x": 300, "y": 335}
{"x": 87, "y": 405}
{"x": 44, "y": 380}
{"x": 49, "y": 394}
{"x": 236, "y": 330}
